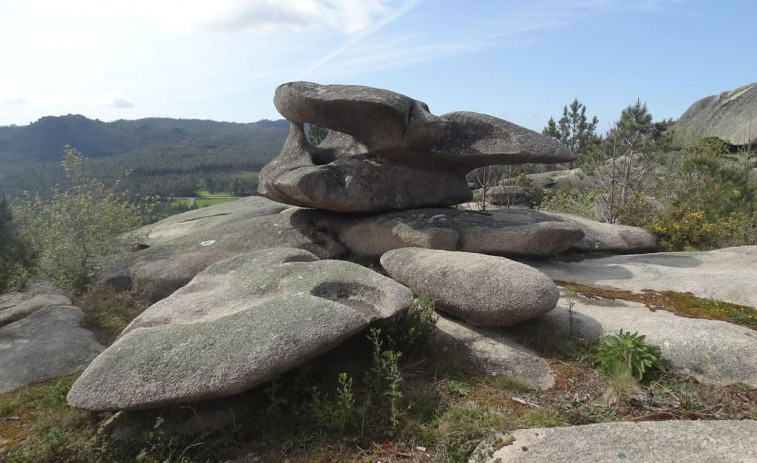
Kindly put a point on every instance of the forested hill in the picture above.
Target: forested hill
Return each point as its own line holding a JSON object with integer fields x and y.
{"x": 169, "y": 157}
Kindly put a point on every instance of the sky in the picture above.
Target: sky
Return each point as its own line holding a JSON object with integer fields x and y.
{"x": 223, "y": 59}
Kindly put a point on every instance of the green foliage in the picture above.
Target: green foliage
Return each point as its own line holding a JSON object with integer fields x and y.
{"x": 462, "y": 428}
{"x": 15, "y": 254}
{"x": 573, "y": 129}
{"x": 72, "y": 229}
{"x": 573, "y": 201}
{"x": 629, "y": 351}
{"x": 412, "y": 331}
{"x": 338, "y": 414}
{"x": 458, "y": 388}
{"x": 317, "y": 134}
{"x": 682, "y": 228}
{"x": 384, "y": 378}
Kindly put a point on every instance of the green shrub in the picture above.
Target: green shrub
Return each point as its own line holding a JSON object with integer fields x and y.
{"x": 75, "y": 227}
{"x": 572, "y": 200}
{"x": 683, "y": 228}
{"x": 412, "y": 331}
{"x": 629, "y": 351}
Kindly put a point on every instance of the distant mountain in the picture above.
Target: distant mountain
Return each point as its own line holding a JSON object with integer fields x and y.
{"x": 161, "y": 156}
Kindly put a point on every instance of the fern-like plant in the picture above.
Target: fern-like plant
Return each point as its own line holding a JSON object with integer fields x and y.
{"x": 630, "y": 351}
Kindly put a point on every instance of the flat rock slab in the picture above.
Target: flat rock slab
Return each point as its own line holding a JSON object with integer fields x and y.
{"x": 44, "y": 345}
{"x": 597, "y": 236}
{"x": 728, "y": 274}
{"x": 175, "y": 249}
{"x": 513, "y": 233}
{"x": 493, "y": 352}
{"x": 40, "y": 294}
{"x": 238, "y": 323}
{"x": 712, "y": 351}
{"x": 644, "y": 442}
{"x": 482, "y": 290}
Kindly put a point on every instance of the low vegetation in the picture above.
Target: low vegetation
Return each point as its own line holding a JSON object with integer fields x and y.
{"x": 382, "y": 396}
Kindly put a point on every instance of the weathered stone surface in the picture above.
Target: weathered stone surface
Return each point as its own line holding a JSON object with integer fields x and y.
{"x": 238, "y": 323}
{"x": 454, "y": 230}
{"x": 643, "y": 442}
{"x": 386, "y": 151}
{"x": 729, "y": 115}
{"x": 157, "y": 279}
{"x": 728, "y": 274}
{"x": 44, "y": 345}
{"x": 482, "y": 290}
{"x": 40, "y": 294}
{"x": 493, "y": 352}
{"x": 712, "y": 351}
{"x": 203, "y": 236}
{"x": 607, "y": 237}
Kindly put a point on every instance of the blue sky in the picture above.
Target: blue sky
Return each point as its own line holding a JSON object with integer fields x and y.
{"x": 222, "y": 59}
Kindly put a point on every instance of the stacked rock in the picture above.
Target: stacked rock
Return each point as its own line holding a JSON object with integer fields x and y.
{"x": 241, "y": 300}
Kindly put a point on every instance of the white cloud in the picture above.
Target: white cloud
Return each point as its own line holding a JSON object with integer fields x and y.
{"x": 257, "y": 16}
{"x": 112, "y": 99}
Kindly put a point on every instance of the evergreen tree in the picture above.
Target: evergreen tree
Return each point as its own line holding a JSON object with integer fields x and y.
{"x": 634, "y": 129}
{"x": 573, "y": 129}
{"x": 15, "y": 256}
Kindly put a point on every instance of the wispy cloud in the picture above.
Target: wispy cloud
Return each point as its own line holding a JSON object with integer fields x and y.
{"x": 365, "y": 33}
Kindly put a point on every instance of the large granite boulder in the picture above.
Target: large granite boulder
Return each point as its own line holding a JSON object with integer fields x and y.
{"x": 644, "y": 442}
{"x": 729, "y": 115}
{"x": 175, "y": 249}
{"x": 386, "y": 151}
{"x": 238, "y": 323}
{"x": 728, "y": 274}
{"x": 455, "y": 230}
{"x": 482, "y": 290}
{"x": 598, "y": 236}
{"x": 44, "y": 345}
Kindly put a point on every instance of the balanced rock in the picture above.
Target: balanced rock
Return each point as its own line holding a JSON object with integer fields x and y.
{"x": 482, "y": 290}
{"x": 386, "y": 151}
{"x": 44, "y": 345}
{"x": 238, "y": 323}
{"x": 454, "y": 230}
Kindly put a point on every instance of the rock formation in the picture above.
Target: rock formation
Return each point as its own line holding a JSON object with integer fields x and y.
{"x": 239, "y": 323}
{"x": 730, "y": 115}
{"x": 387, "y": 152}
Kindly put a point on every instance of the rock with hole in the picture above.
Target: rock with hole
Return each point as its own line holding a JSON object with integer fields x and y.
{"x": 238, "y": 323}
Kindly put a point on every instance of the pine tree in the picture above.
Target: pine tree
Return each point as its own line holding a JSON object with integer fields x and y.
{"x": 573, "y": 129}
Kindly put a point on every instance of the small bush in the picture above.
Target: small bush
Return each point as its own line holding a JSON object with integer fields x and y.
{"x": 629, "y": 351}
{"x": 572, "y": 200}
{"x": 412, "y": 331}
{"x": 683, "y": 228}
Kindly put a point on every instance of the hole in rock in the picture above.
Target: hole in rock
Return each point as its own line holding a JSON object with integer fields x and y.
{"x": 356, "y": 296}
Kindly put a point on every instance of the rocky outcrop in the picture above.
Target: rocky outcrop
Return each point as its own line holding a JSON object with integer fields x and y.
{"x": 454, "y": 230}
{"x": 731, "y": 116}
{"x": 493, "y": 352}
{"x": 643, "y": 442}
{"x": 604, "y": 237}
{"x": 44, "y": 345}
{"x": 728, "y": 274}
{"x": 712, "y": 351}
{"x": 482, "y": 290}
{"x": 386, "y": 151}
{"x": 238, "y": 323}
{"x": 40, "y": 294}
{"x": 175, "y": 249}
